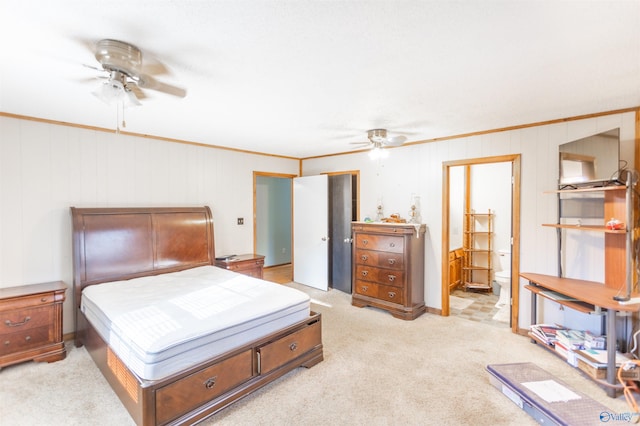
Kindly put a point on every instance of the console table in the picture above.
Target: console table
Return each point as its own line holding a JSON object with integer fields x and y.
{"x": 590, "y": 297}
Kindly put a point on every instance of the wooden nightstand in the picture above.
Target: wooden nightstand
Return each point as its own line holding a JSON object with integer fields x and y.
{"x": 31, "y": 323}
{"x": 247, "y": 264}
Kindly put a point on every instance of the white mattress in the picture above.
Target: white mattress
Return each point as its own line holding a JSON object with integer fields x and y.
{"x": 161, "y": 324}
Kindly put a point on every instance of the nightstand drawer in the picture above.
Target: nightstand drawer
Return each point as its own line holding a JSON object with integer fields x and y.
{"x": 30, "y": 301}
{"x": 24, "y": 340}
{"x": 247, "y": 264}
{"x": 28, "y": 318}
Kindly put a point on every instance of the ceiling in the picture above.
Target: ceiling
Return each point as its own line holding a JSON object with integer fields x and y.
{"x": 304, "y": 78}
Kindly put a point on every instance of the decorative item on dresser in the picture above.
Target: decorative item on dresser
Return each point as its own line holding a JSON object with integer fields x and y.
{"x": 31, "y": 323}
{"x": 248, "y": 264}
{"x": 388, "y": 268}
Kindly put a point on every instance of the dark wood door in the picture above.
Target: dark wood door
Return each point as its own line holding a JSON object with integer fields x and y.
{"x": 341, "y": 211}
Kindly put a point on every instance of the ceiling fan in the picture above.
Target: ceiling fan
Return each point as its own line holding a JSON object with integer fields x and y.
{"x": 128, "y": 75}
{"x": 378, "y": 139}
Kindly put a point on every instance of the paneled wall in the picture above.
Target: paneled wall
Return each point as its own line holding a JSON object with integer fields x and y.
{"x": 46, "y": 168}
{"x": 417, "y": 169}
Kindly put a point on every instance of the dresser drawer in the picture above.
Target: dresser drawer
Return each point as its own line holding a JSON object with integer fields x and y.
{"x": 289, "y": 347}
{"x": 366, "y": 288}
{"x": 190, "y": 392}
{"x": 25, "y": 339}
{"x": 378, "y": 258}
{"x": 25, "y": 319}
{"x": 380, "y": 275}
{"x": 391, "y": 294}
{"x": 388, "y": 243}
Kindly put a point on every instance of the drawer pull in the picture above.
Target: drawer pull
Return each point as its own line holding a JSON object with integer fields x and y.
{"x": 364, "y": 288}
{"x": 392, "y": 294}
{"x": 364, "y": 257}
{"x": 392, "y": 261}
{"x": 44, "y": 299}
{"x": 28, "y": 338}
{"x": 392, "y": 278}
{"x": 9, "y": 323}
{"x": 7, "y": 343}
{"x": 365, "y": 273}
{"x": 392, "y": 244}
{"x": 293, "y": 346}
{"x": 365, "y": 242}
{"x": 211, "y": 382}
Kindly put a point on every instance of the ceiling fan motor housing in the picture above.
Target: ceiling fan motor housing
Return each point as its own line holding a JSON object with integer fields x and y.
{"x": 115, "y": 55}
{"x": 377, "y": 135}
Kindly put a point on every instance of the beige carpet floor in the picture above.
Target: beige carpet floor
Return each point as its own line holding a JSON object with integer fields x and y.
{"x": 378, "y": 370}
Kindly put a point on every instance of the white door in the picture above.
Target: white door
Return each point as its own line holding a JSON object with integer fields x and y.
{"x": 311, "y": 231}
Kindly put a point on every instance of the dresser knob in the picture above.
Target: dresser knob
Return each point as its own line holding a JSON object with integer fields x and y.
{"x": 392, "y": 294}
{"x": 293, "y": 346}
{"x": 6, "y": 343}
{"x": 364, "y": 273}
{"x": 27, "y": 338}
{"x": 392, "y": 245}
{"x": 364, "y": 288}
{"x": 365, "y": 242}
{"x": 392, "y": 278}
{"x": 44, "y": 299}
{"x": 392, "y": 261}
{"x": 364, "y": 257}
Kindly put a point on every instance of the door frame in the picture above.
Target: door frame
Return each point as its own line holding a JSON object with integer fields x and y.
{"x": 515, "y": 160}
{"x": 255, "y": 204}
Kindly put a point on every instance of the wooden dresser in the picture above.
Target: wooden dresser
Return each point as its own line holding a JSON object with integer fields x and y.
{"x": 31, "y": 323}
{"x": 388, "y": 268}
{"x": 247, "y": 264}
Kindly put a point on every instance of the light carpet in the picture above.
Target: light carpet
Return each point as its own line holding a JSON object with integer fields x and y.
{"x": 378, "y": 370}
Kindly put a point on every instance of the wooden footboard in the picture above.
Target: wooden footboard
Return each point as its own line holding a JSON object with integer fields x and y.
{"x": 205, "y": 389}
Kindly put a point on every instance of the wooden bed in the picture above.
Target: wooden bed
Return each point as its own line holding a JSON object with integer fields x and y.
{"x": 112, "y": 244}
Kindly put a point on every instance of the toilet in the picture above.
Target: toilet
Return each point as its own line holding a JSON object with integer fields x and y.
{"x": 503, "y": 278}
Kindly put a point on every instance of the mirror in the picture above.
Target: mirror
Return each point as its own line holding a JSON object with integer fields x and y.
{"x": 590, "y": 160}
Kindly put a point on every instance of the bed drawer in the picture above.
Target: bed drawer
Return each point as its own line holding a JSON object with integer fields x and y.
{"x": 289, "y": 347}
{"x": 192, "y": 391}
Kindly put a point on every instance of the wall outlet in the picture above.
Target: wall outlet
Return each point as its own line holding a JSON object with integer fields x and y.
{"x": 240, "y": 221}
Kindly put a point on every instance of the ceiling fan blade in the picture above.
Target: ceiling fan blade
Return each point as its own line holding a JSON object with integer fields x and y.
{"x": 136, "y": 91}
{"x": 396, "y": 140}
{"x": 148, "y": 82}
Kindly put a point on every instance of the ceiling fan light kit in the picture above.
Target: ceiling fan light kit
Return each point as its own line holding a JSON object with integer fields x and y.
{"x": 115, "y": 91}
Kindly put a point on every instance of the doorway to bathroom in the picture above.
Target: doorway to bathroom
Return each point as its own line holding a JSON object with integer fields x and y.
{"x": 481, "y": 222}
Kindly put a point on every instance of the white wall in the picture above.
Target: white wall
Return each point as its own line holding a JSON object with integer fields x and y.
{"x": 418, "y": 169}
{"x": 46, "y": 168}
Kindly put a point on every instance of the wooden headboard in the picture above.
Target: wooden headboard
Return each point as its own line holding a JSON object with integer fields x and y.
{"x": 111, "y": 244}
